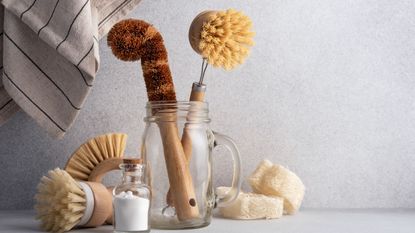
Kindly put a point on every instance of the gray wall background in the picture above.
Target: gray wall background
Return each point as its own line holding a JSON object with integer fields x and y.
{"x": 328, "y": 91}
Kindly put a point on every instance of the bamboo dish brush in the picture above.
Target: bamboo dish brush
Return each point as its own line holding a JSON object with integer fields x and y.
{"x": 63, "y": 203}
{"x": 99, "y": 155}
{"x": 132, "y": 40}
{"x": 223, "y": 39}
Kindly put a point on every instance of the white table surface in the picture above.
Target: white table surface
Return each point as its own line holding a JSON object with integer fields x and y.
{"x": 312, "y": 221}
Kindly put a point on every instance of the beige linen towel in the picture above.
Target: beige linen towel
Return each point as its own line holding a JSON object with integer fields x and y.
{"x": 50, "y": 56}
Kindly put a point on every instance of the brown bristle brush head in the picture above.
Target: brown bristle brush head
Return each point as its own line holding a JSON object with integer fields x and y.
{"x": 132, "y": 40}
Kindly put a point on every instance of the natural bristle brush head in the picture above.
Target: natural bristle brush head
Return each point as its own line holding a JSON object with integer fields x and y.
{"x": 63, "y": 203}
{"x": 60, "y": 201}
{"x": 132, "y": 40}
{"x": 97, "y": 156}
{"x": 223, "y": 38}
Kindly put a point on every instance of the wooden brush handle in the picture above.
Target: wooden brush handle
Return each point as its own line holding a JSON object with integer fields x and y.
{"x": 102, "y": 204}
{"x": 103, "y": 168}
{"x": 179, "y": 173}
{"x": 197, "y": 94}
{"x": 110, "y": 219}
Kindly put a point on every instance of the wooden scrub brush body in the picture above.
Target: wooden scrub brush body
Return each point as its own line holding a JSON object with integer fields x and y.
{"x": 63, "y": 203}
{"x": 132, "y": 40}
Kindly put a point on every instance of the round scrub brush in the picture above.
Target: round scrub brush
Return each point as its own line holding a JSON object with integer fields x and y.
{"x": 133, "y": 40}
{"x": 62, "y": 203}
{"x": 96, "y": 157}
{"x": 222, "y": 38}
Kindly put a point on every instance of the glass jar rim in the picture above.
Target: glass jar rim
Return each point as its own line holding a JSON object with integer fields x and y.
{"x": 128, "y": 167}
{"x": 195, "y": 111}
{"x": 169, "y": 103}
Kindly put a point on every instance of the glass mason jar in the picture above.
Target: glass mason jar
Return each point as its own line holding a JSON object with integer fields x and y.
{"x": 177, "y": 149}
{"x": 131, "y": 199}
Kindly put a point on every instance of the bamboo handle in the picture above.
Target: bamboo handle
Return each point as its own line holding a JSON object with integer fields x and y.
{"x": 103, "y": 168}
{"x": 197, "y": 94}
{"x": 110, "y": 219}
{"x": 180, "y": 180}
{"x": 102, "y": 204}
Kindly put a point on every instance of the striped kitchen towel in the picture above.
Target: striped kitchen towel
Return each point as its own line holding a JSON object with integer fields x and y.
{"x": 50, "y": 56}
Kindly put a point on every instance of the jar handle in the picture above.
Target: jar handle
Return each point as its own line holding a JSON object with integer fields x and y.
{"x": 232, "y": 194}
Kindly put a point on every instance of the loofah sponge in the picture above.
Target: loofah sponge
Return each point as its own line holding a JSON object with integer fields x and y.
{"x": 251, "y": 206}
{"x": 222, "y": 37}
{"x": 276, "y": 180}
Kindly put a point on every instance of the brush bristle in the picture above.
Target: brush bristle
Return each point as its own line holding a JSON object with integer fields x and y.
{"x": 127, "y": 38}
{"x": 60, "y": 201}
{"x": 226, "y": 38}
{"x": 93, "y": 152}
{"x": 132, "y": 40}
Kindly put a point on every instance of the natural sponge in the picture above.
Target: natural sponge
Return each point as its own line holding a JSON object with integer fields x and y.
{"x": 251, "y": 206}
{"x": 276, "y": 180}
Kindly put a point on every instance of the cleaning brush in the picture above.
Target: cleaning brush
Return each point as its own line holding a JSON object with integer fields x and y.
{"x": 63, "y": 203}
{"x": 99, "y": 155}
{"x": 223, "y": 38}
{"x": 132, "y": 40}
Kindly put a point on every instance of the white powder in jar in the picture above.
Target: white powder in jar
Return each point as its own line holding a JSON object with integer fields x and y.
{"x": 130, "y": 212}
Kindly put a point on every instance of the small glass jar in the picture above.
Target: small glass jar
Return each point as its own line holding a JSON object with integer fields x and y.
{"x": 131, "y": 199}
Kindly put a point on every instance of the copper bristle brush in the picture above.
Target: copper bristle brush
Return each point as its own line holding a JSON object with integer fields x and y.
{"x": 132, "y": 40}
